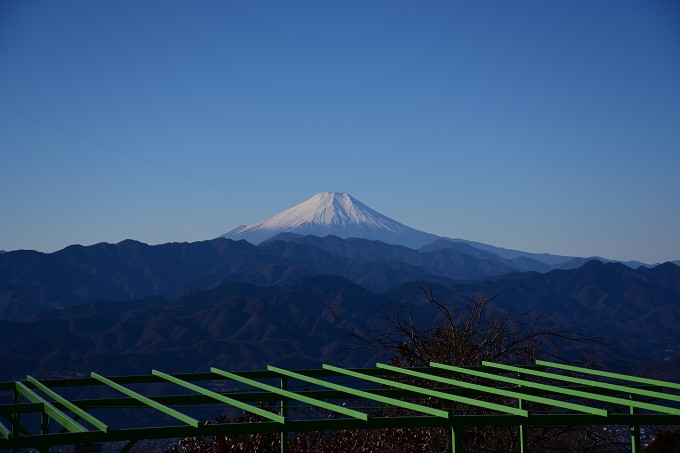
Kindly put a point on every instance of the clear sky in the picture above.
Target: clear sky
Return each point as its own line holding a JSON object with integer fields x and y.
{"x": 544, "y": 126}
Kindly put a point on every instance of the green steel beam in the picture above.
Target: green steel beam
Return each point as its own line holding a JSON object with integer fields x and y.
{"x": 430, "y": 392}
{"x": 148, "y": 401}
{"x": 562, "y": 390}
{"x": 623, "y": 377}
{"x": 60, "y": 417}
{"x": 69, "y": 405}
{"x": 575, "y": 380}
{"x": 362, "y": 394}
{"x": 456, "y": 439}
{"x": 291, "y": 395}
{"x": 527, "y": 392}
{"x": 178, "y": 400}
{"x": 220, "y": 397}
{"x": 498, "y": 391}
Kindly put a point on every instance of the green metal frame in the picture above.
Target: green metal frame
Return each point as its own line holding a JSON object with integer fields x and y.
{"x": 452, "y": 402}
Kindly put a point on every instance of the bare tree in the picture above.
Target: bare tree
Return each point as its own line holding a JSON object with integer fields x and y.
{"x": 463, "y": 335}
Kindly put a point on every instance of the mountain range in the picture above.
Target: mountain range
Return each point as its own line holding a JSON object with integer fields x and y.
{"x": 239, "y": 325}
{"x": 339, "y": 214}
{"x": 236, "y": 325}
{"x": 33, "y": 281}
{"x": 280, "y": 295}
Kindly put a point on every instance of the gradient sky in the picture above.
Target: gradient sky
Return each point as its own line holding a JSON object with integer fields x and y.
{"x": 542, "y": 126}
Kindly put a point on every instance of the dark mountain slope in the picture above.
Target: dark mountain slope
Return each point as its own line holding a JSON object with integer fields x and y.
{"x": 375, "y": 275}
{"x": 243, "y": 326}
{"x": 518, "y": 263}
{"x": 447, "y": 262}
{"x": 362, "y": 250}
{"x": 235, "y": 326}
{"x": 32, "y": 281}
{"x": 637, "y": 310}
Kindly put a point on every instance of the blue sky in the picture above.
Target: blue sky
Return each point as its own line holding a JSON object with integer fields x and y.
{"x": 541, "y": 126}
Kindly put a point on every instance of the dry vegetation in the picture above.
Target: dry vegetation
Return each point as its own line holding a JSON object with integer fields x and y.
{"x": 464, "y": 336}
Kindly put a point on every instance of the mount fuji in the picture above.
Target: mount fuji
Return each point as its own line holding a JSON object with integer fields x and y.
{"x": 338, "y": 214}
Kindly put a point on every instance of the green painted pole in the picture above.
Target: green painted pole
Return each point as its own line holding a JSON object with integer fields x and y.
{"x": 498, "y": 391}
{"x": 49, "y": 409}
{"x": 362, "y": 394}
{"x": 291, "y": 395}
{"x": 425, "y": 391}
{"x": 456, "y": 439}
{"x": 80, "y": 413}
{"x": 219, "y": 397}
{"x": 604, "y": 385}
{"x": 148, "y": 401}
{"x": 284, "y": 414}
{"x": 634, "y": 431}
{"x": 573, "y": 380}
{"x": 522, "y": 428}
{"x": 623, "y": 377}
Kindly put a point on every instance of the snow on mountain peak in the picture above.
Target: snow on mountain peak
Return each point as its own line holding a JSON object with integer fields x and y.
{"x": 336, "y": 213}
{"x": 328, "y": 210}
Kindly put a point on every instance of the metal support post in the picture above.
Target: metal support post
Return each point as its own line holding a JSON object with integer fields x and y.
{"x": 634, "y": 431}
{"x": 522, "y": 433}
{"x": 284, "y": 413}
{"x": 522, "y": 428}
{"x": 456, "y": 439}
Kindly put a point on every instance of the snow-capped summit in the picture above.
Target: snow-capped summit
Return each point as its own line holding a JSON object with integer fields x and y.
{"x": 335, "y": 213}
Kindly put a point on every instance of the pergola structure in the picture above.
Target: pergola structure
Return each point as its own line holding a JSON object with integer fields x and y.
{"x": 46, "y": 413}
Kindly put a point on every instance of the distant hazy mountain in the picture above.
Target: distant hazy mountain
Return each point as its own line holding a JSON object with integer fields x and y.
{"x": 526, "y": 260}
{"x": 519, "y": 261}
{"x": 32, "y": 281}
{"x": 552, "y": 260}
{"x": 333, "y": 213}
{"x": 459, "y": 261}
{"x": 339, "y": 214}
